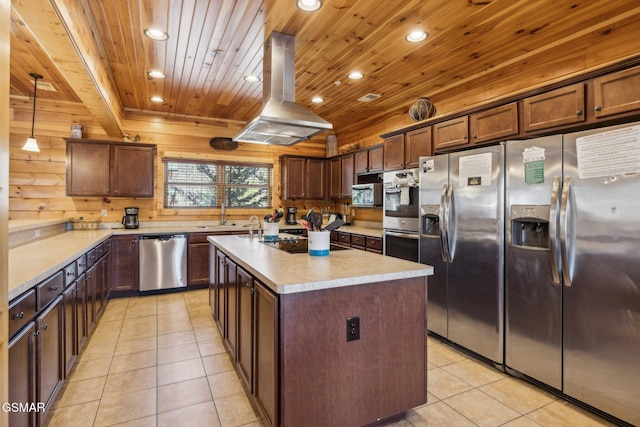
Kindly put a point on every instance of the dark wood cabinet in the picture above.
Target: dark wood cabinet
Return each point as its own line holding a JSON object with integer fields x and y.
{"x": 417, "y": 143}
{"x": 125, "y": 268}
{"x": 558, "y": 107}
{"x": 197, "y": 261}
{"x": 70, "y": 325}
{"x": 82, "y": 318}
{"x": 231, "y": 296}
{"x": 617, "y": 93}
{"x": 265, "y": 351}
{"x": 451, "y": 133}
{"x": 358, "y": 241}
{"x": 334, "y": 178}
{"x": 91, "y": 282}
{"x": 101, "y": 168}
{"x": 220, "y": 308}
{"x": 346, "y": 175}
{"x": 394, "y": 152}
{"x": 22, "y": 375}
{"x": 344, "y": 238}
{"x": 496, "y": 123}
{"x": 302, "y": 178}
{"x": 370, "y": 160}
{"x": 49, "y": 353}
{"x": 245, "y": 326}
{"x": 373, "y": 244}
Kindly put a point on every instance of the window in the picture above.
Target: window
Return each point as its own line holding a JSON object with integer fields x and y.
{"x": 201, "y": 184}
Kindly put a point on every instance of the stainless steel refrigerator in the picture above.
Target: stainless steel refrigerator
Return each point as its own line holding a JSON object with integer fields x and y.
{"x": 461, "y": 235}
{"x": 573, "y": 302}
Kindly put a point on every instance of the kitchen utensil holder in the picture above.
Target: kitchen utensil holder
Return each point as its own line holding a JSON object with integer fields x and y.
{"x": 319, "y": 242}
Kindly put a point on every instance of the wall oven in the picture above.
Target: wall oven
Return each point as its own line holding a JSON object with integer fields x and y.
{"x": 401, "y": 219}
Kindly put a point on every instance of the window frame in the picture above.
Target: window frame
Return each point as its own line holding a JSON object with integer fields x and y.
{"x": 221, "y": 186}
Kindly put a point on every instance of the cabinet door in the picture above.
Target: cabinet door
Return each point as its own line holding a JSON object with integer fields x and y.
{"x": 21, "y": 375}
{"x": 496, "y": 123}
{"x": 376, "y": 158}
{"x": 346, "y": 173}
{"x": 90, "y": 289}
{"x": 451, "y": 133}
{"x": 558, "y": 107}
{"x": 82, "y": 319}
{"x": 133, "y": 170}
{"x": 617, "y": 93}
{"x": 197, "y": 262}
{"x": 49, "y": 352}
{"x": 221, "y": 292}
{"x": 70, "y": 325}
{"x": 125, "y": 264}
{"x": 334, "y": 178}
{"x": 293, "y": 177}
{"x": 245, "y": 326}
{"x": 417, "y": 144}
{"x": 88, "y": 169}
{"x": 315, "y": 179}
{"x": 265, "y": 350}
{"x": 361, "y": 161}
{"x": 232, "y": 308}
{"x": 394, "y": 152}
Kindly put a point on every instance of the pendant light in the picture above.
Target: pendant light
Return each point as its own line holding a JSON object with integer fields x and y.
{"x": 31, "y": 144}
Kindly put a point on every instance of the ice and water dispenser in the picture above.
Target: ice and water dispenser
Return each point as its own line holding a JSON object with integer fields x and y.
{"x": 530, "y": 226}
{"x": 430, "y": 220}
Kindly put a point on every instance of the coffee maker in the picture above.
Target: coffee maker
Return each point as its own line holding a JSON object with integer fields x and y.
{"x": 291, "y": 215}
{"x": 130, "y": 219}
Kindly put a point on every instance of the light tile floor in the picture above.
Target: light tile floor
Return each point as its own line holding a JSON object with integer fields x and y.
{"x": 159, "y": 361}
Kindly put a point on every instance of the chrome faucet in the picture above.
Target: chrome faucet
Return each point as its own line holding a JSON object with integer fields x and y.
{"x": 252, "y": 224}
{"x": 223, "y": 215}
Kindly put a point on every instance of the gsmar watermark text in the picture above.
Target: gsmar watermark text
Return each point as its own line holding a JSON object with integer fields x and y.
{"x": 23, "y": 407}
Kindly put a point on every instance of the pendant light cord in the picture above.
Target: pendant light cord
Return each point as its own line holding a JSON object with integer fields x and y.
{"x": 35, "y": 90}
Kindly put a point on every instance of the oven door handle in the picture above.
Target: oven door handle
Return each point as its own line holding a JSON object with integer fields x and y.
{"x": 402, "y": 235}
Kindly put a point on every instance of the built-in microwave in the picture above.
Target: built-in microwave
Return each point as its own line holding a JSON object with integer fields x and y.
{"x": 366, "y": 195}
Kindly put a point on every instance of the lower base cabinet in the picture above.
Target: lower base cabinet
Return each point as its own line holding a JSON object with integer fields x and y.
{"x": 22, "y": 381}
{"x": 49, "y": 339}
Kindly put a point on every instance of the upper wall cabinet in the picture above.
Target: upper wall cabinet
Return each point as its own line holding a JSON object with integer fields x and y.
{"x": 617, "y": 93}
{"x": 99, "y": 168}
{"x": 499, "y": 122}
{"x": 404, "y": 150}
{"x": 451, "y": 133}
{"x": 302, "y": 178}
{"x": 558, "y": 107}
{"x": 369, "y": 160}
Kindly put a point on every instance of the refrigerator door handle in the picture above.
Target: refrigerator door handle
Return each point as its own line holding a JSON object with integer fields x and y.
{"x": 443, "y": 223}
{"x": 564, "y": 232}
{"x": 554, "y": 255}
{"x": 451, "y": 226}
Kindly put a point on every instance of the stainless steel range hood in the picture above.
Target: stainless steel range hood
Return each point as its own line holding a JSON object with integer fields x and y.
{"x": 281, "y": 120}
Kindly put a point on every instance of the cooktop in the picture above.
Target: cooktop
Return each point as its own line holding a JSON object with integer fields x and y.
{"x": 297, "y": 245}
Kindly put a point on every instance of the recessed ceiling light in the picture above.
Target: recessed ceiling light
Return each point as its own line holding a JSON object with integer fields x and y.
{"x": 156, "y": 34}
{"x": 317, "y": 99}
{"x": 416, "y": 36}
{"x": 309, "y": 5}
{"x": 355, "y": 75}
{"x": 156, "y": 74}
{"x": 156, "y": 99}
{"x": 251, "y": 78}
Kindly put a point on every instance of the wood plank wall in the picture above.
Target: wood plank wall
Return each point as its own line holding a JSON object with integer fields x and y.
{"x": 37, "y": 180}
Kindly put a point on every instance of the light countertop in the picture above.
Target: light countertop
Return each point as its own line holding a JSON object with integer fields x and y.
{"x": 290, "y": 273}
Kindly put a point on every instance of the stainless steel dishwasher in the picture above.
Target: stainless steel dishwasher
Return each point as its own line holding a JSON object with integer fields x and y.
{"x": 163, "y": 262}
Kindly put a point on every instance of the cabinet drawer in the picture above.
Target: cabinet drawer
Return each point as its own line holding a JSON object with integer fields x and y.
{"x": 49, "y": 289}
{"x": 69, "y": 274}
{"x": 21, "y": 311}
{"x": 358, "y": 241}
{"x": 198, "y": 237}
{"x": 374, "y": 244}
{"x": 91, "y": 257}
{"x": 344, "y": 238}
{"x": 81, "y": 265}
{"x": 99, "y": 251}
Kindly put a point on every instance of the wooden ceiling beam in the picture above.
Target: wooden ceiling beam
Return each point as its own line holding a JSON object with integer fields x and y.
{"x": 66, "y": 32}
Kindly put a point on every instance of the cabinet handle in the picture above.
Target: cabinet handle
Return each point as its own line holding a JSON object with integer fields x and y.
{"x": 464, "y": 136}
{"x": 598, "y": 108}
{"x": 248, "y": 285}
{"x": 45, "y": 326}
{"x": 475, "y": 136}
{"x": 579, "y": 113}
{"x": 18, "y": 316}
{"x": 70, "y": 274}
{"x": 36, "y": 333}
{"x": 53, "y": 288}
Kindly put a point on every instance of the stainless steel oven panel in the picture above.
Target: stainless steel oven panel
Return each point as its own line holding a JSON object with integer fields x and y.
{"x": 401, "y": 213}
{"x": 402, "y": 245}
{"x": 404, "y": 224}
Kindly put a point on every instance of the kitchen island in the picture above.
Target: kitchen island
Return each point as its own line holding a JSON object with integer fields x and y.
{"x": 336, "y": 340}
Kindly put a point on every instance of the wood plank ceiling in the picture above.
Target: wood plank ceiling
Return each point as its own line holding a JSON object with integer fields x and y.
{"x": 214, "y": 43}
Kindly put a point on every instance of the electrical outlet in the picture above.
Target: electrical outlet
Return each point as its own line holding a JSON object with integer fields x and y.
{"x": 353, "y": 328}
{"x": 104, "y": 212}
{"x": 37, "y": 233}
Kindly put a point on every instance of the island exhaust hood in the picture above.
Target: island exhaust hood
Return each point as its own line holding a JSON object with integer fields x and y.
{"x": 281, "y": 121}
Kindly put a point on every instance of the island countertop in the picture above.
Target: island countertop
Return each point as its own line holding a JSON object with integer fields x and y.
{"x": 287, "y": 273}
